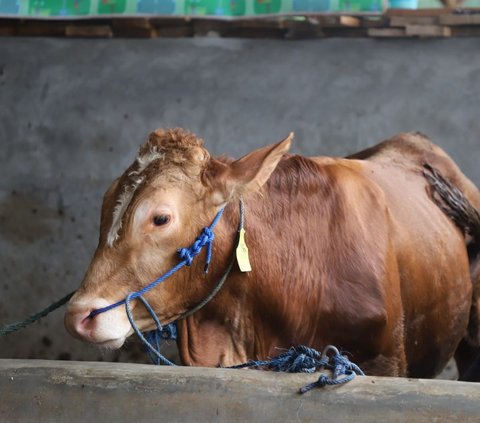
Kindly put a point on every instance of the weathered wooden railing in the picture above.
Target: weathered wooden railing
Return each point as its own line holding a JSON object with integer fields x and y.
{"x": 41, "y": 391}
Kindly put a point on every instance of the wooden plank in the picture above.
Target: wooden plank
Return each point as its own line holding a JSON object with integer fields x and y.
{"x": 7, "y": 30}
{"x": 460, "y": 19}
{"x": 174, "y": 31}
{"x": 133, "y": 28}
{"x": 173, "y": 27}
{"x": 307, "y": 25}
{"x": 203, "y": 27}
{"x": 375, "y": 21}
{"x": 428, "y": 31}
{"x": 386, "y": 32}
{"x": 88, "y": 31}
{"x": 323, "y": 20}
{"x": 41, "y": 29}
{"x": 246, "y": 23}
{"x": 351, "y": 21}
{"x": 172, "y": 21}
{"x": 38, "y": 390}
{"x": 294, "y": 34}
{"x": 465, "y": 31}
{"x": 403, "y": 21}
{"x": 395, "y": 23}
{"x": 142, "y": 23}
{"x": 419, "y": 12}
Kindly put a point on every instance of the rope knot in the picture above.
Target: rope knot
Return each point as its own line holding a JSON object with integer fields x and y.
{"x": 186, "y": 255}
{"x": 207, "y": 235}
{"x": 204, "y": 239}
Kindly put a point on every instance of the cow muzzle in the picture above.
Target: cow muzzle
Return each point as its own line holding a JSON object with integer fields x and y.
{"x": 107, "y": 330}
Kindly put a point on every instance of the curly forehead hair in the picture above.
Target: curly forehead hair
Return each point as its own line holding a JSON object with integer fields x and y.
{"x": 176, "y": 146}
{"x": 170, "y": 153}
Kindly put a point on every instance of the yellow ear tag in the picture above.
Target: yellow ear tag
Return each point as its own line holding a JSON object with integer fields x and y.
{"x": 242, "y": 253}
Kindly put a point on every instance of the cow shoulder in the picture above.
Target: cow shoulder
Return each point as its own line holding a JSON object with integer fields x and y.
{"x": 361, "y": 261}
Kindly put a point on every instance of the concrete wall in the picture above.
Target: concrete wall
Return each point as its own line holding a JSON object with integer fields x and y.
{"x": 73, "y": 112}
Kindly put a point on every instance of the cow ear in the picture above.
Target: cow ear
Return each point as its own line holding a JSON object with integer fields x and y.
{"x": 245, "y": 175}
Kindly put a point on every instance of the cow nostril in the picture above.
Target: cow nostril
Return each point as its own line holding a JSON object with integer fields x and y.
{"x": 94, "y": 312}
{"x": 79, "y": 323}
{"x": 87, "y": 319}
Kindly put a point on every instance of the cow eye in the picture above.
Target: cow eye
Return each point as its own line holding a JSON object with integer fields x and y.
{"x": 161, "y": 220}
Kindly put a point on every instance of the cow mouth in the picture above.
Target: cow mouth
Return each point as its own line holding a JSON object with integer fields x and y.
{"x": 111, "y": 344}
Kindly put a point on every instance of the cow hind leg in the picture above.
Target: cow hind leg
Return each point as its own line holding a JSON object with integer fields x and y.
{"x": 458, "y": 207}
{"x": 392, "y": 361}
{"x": 467, "y": 355}
{"x": 467, "y": 358}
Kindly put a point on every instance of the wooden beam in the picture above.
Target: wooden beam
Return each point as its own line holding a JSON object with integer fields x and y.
{"x": 465, "y": 31}
{"x": 37, "y": 390}
{"x": 351, "y": 21}
{"x": 133, "y": 28}
{"x": 419, "y": 12}
{"x": 394, "y": 23}
{"x": 386, "y": 32}
{"x": 89, "y": 31}
{"x": 413, "y": 20}
{"x": 428, "y": 31}
{"x": 461, "y": 19}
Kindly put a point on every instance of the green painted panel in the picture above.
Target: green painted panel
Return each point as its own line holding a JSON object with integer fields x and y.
{"x": 59, "y": 7}
{"x": 9, "y": 7}
{"x": 267, "y": 6}
{"x": 163, "y": 7}
{"x": 215, "y": 7}
{"x": 47, "y": 8}
{"x": 361, "y": 5}
{"x": 111, "y": 6}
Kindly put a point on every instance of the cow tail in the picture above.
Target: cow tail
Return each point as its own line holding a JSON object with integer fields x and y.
{"x": 457, "y": 206}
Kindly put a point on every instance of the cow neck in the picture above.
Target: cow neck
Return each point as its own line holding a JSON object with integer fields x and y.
{"x": 170, "y": 329}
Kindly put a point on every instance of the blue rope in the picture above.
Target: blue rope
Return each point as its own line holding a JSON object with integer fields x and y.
{"x": 154, "y": 352}
{"x": 304, "y": 359}
{"x": 186, "y": 255}
{"x": 156, "y": 337}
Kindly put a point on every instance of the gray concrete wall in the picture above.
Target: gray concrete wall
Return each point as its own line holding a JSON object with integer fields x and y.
{"x": 73, "y": 113}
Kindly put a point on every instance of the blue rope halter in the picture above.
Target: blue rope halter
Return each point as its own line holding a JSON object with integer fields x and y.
{"x": 152, "y": 339}
{"x": 186, "y": 255}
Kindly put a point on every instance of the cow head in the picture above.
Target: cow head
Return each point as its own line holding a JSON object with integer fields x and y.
{"x": 161, "y": 202}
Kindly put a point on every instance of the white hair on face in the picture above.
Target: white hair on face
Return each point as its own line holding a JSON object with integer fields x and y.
{"x": 126, "y": 196}
{"x": 146, "y": 159}
{"x": 119, "y": 210}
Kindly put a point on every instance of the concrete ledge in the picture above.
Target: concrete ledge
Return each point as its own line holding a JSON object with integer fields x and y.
{"x": 37, "y": 391}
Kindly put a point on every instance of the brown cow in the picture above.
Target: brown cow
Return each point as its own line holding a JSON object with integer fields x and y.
{"x": 352, "y": 252}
